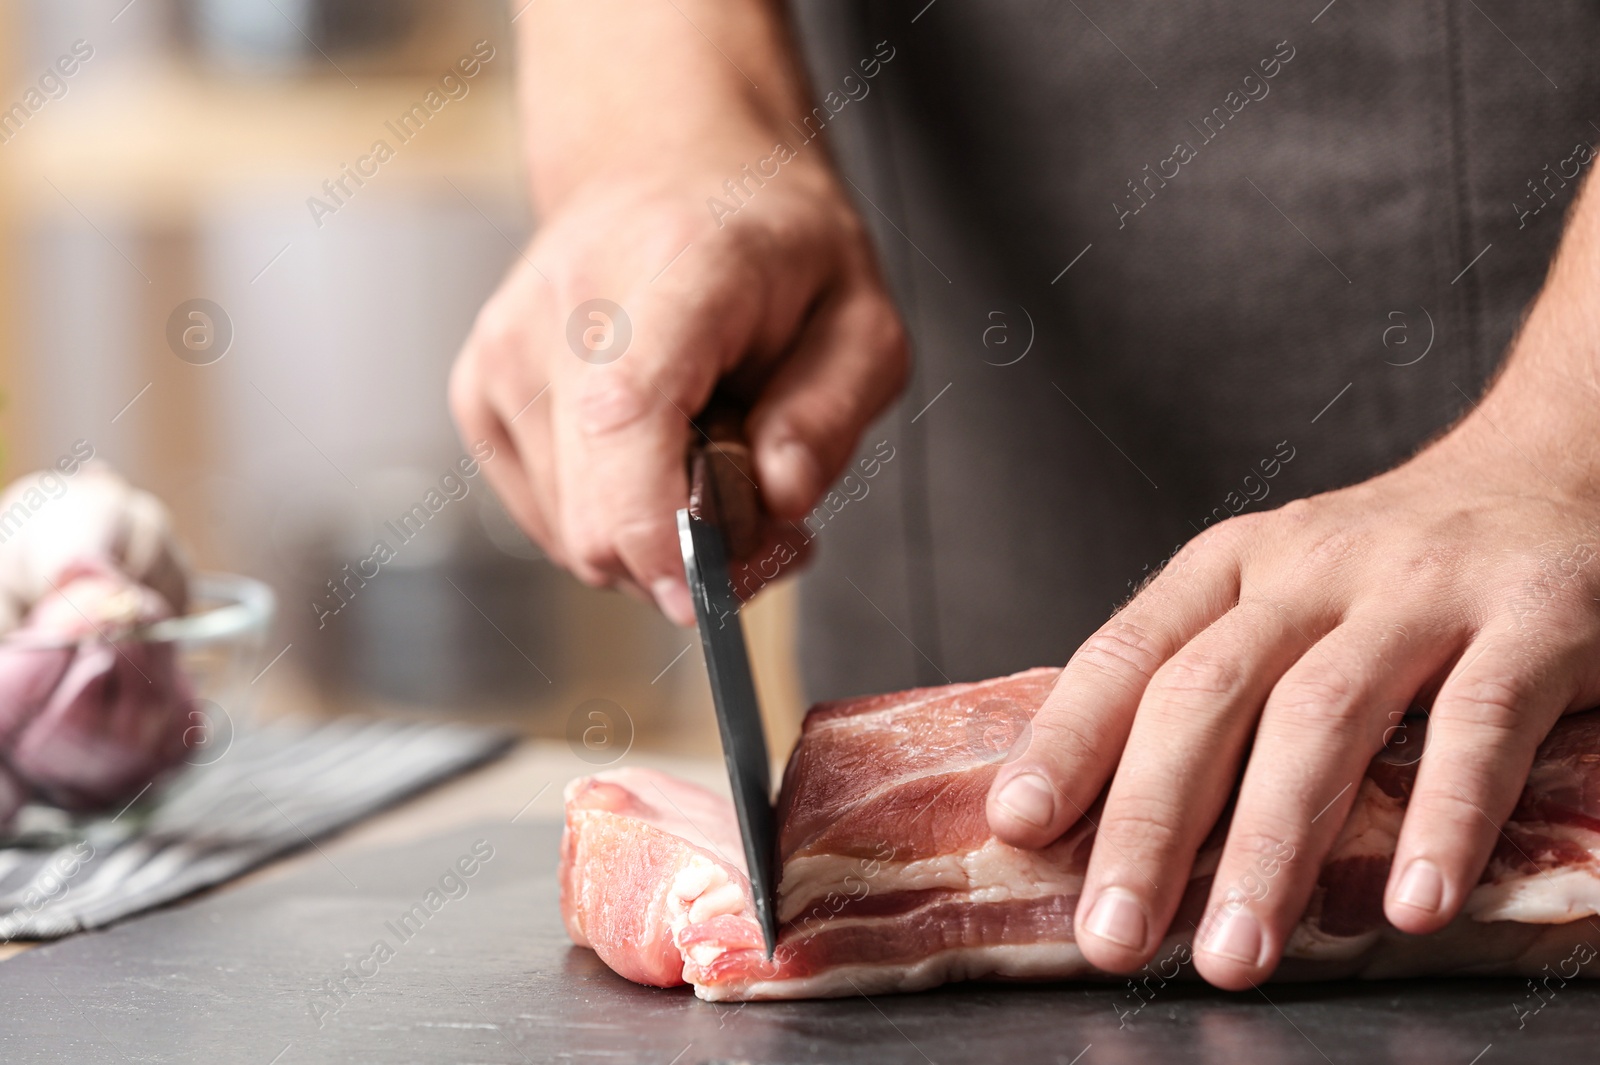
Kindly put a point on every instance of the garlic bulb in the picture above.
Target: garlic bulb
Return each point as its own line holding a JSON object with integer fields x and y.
{"x": 90, "y": 712}
{"x": 50, "y": 522}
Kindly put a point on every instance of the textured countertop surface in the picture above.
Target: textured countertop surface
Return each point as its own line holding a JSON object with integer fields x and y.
{"x": 483, "y": 972}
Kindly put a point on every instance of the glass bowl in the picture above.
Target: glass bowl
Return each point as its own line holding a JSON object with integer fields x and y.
{"x": 219, "y": 644}
{"x": 217, "y": 649}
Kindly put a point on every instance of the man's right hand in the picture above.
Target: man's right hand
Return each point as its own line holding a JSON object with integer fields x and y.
{"x": 782, "y": 298}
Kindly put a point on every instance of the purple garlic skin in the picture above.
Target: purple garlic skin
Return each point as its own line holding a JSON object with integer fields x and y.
{"x": 89, "y": 716}
{"x": 113, "y": 724}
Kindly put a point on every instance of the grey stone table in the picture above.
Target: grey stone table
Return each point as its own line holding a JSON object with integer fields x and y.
{"x": 481, "y": 971}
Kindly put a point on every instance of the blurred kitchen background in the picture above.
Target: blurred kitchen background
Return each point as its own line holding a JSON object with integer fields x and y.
{"x": 175, "y": 164}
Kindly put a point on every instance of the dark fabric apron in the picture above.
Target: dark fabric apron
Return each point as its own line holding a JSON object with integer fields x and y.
{"x": 1278, "y": 304}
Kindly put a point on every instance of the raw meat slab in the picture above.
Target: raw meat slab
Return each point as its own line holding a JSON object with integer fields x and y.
{"x": 892, "y": 882}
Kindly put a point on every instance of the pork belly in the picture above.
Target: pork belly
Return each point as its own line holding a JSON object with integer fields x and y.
{"x": 892, "y": 882}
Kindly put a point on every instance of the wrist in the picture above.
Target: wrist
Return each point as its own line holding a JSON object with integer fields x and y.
{"x": 712, "y": 181}
{"x": 1538, "y": 421}
{"x": 1543, "y": 407}
{"x": 691, "y": 150}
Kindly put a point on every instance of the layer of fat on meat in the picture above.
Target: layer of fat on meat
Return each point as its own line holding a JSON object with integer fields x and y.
{"x": 1546, "y": 896}
{"x": 700, "y": 891}
{"x": 993, "y": 872}
{"x": 1018, "y": 961}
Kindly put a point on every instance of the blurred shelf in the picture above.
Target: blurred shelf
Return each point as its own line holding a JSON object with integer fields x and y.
{"x": 166, "y": 143}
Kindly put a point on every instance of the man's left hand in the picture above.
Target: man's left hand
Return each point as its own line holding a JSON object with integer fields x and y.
{"x": 1291, "y": 643}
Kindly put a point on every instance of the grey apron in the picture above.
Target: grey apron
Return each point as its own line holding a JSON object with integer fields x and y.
{"x": 1162, "y": 263}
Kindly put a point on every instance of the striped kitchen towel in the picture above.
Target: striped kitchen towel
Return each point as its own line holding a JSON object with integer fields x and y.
{"x": 276, "y": 788}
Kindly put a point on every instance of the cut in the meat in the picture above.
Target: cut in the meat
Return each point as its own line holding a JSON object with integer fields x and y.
{"x": 891, "y": 880}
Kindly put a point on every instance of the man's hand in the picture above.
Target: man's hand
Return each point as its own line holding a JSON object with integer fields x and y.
{"x": 1293, "y": 642}
{"x": 784, "y": 296}
{"x": 635, "y": 122}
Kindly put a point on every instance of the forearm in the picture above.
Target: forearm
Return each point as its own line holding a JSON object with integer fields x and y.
{"x": 613, "y": 86}
{"x": 1547, "y": 398}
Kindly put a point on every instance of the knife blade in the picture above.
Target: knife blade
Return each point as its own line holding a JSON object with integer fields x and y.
{"x": 724, "y": 515}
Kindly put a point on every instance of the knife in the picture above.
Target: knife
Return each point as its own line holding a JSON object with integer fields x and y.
{"x": 721, "y": 523}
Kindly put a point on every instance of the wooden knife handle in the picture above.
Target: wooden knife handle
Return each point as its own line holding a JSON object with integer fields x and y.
{"x": 722, "y": 479}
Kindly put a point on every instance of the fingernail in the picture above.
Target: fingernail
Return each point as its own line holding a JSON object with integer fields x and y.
{"x": 1118, "y": 917}
{"x": 1238, "y": 937}
{"x": 672, "y": 596}
{"x": 1028, "y": 798}
{"x": 1421, "y": 888}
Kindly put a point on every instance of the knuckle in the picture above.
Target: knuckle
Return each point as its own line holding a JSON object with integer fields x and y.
{"x": 1205, "y": 544}
{"x": 1121, "y": 647}
{"x": 1217, "y": 551}
{"x": 1555, "y": 589}
{"x": 1330, "y": 550}
{"x": 1140, "y": 823}
{"x": 611, "y": 400}
{"x": 1429, "y": 564}
{"x": 495, "y": 362}
{"x": 498, "y": 332}
{"x": 1225, "y": 537}
{"x": 1060, "y": 741}
{"x": 1494, "y": 702}
{"x": 1441, "y": 586}
{"x": 1198, "y": 676}
{"x": 1318, "y": 697}
{"x": 1270, "y": 840}
{"x": 581, "y": 271}
{"x": 1452, "y": 806}
{"x": 672, "y": 228}
{"x": 753, "y": 241}
{"x": 719, "y": 294}
{"x": 1296, "y": 512}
